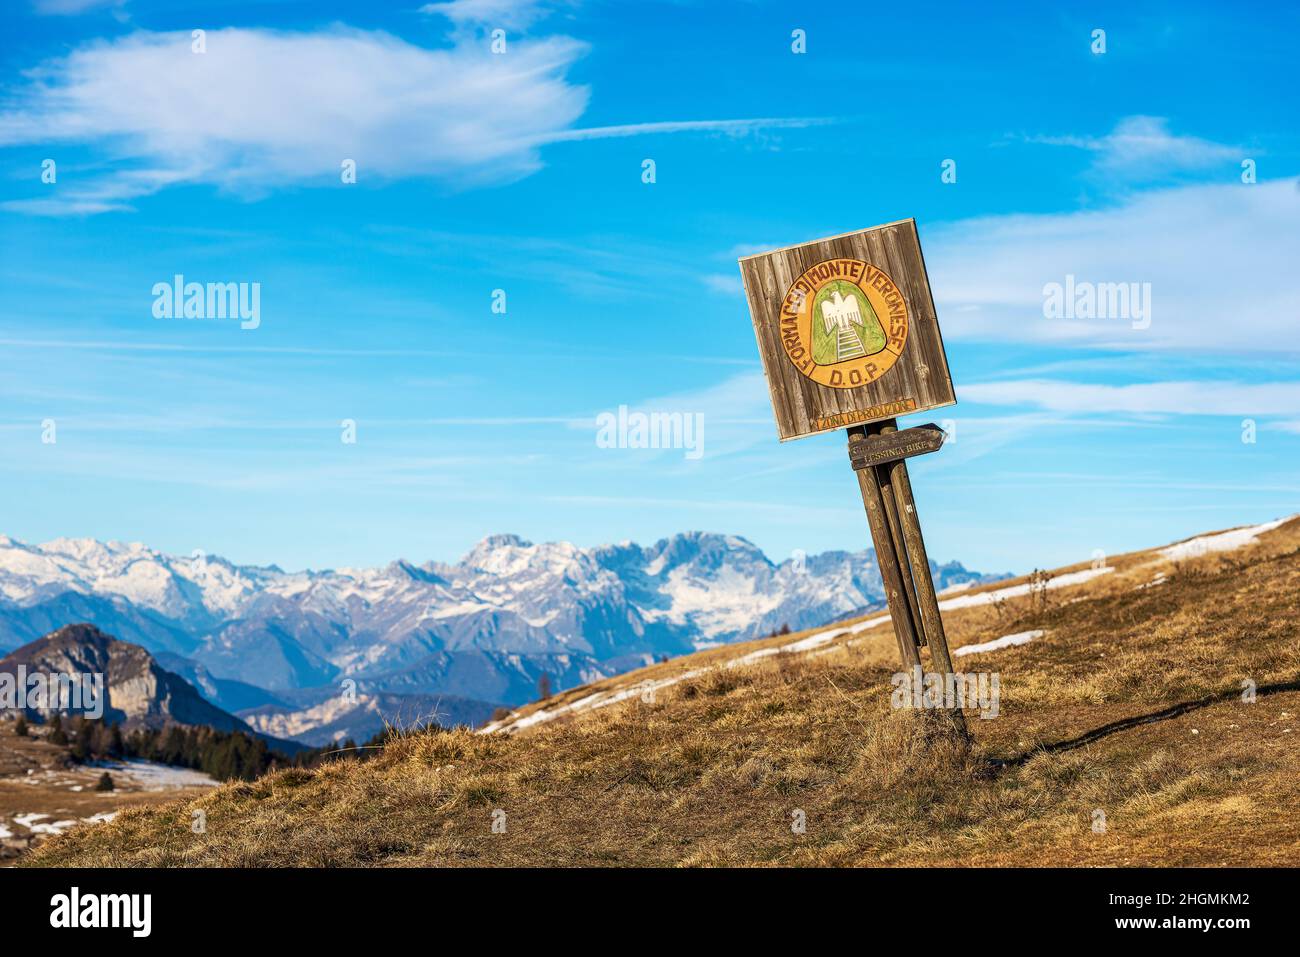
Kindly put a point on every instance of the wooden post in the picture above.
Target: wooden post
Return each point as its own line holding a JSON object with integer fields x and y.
{"x": 885, "y": 476}
{"x": 914, "y": 546}
{"x": 896, "y": 540}
{"x": 904, "y": 563}
{"x": 891, "y": 572}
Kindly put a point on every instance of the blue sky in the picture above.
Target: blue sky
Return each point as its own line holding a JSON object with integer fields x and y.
{"x": 522, "y": 171}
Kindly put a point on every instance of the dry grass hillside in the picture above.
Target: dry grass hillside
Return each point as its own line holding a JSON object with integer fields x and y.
{"x": 1127, "y": 703}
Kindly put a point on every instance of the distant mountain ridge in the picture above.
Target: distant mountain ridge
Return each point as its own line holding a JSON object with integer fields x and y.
{"x": 480, "y": 632}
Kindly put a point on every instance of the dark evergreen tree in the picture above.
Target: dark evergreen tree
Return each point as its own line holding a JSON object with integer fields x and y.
{"x": 225, "y": 755}
{"x": 83, "y": 732}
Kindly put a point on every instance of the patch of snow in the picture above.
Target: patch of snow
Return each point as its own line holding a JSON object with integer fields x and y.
{"x": 812, "y": 641}
{"x": 753, "y": 656}
{"x": 1006, "y": 641}
{"x": 35, "y": 823}
{"x": 29, "y": 821}
{"x": 1014, "y": 591}
{"x": 724, "y": 604}
{"x": 54, "y": 827}
{"x": 1222, "y": 542}
{"x": 602, "y": 698}
{"x": 870, "y": 623}
{"x": 151, "y": 776}
{"x": 453, "y": 611}
{"x": 957, "y": 586}
{"x": 599, "y": 699}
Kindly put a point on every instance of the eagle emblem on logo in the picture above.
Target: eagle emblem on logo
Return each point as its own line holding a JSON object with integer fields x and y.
{"x": 843, "y": 323}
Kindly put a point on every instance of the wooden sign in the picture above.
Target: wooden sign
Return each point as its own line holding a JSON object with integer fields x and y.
{"x": 866, "y": 451}
{"x": 849, "y": 339}
{"x": 847, "y": 330}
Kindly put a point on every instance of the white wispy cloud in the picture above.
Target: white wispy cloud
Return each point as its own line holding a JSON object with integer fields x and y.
{"x": 1220, "y": 260}
{"x": 1191, "y": 397}
{"x": 1144, "y": 148}
{"x": 736, "y": 415}
{"x": 263, "y": 108}
{"x": 735, "y": 127}
{"x": 727, "y": 285}
{"x": 72, "y": 7}
{"x": 507, "y": 14}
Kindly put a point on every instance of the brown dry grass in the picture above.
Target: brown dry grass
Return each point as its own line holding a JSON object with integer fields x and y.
{"x": 715, "y": 770}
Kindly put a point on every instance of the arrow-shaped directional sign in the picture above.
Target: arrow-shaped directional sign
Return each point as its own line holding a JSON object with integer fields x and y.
{"x": 865, "y": 452}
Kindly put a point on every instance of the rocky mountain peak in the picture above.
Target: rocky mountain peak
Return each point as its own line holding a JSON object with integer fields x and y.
{"x": 139, "y": 691}
{"x": 705, "y": 552}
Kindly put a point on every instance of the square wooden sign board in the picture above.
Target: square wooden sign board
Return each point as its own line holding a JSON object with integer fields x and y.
{"x": 847, "y": 330}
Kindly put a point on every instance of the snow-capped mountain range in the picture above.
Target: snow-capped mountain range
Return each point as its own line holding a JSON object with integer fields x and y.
{"x": 482, "y": 630}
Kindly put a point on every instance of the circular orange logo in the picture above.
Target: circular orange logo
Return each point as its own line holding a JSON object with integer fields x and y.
{"x": 844, "y": 323}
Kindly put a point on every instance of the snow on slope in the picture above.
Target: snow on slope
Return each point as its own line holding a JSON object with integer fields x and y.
{"x": 816, "y": 640}
{"x": 1006, "y": 641}
{"x": 152, "y": 776}
{"x": 1235, "y": 538}
{"x": 1222, "y": 542}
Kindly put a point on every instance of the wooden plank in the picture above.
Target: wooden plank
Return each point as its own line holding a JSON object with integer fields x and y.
{"x": 887, "y": 560}
{"x": 914, "y": 544}
{"x": 909, "y": 604}
{"x": 846, "y": 330}
{"x": 891, "y": 446}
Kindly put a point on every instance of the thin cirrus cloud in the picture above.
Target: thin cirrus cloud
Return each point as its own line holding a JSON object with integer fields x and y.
{"x": 505, "y": 14}
{"x": 729, "y": 127}
{"x": 1219, "y": 260}
{"x": 67, "y": 8}
{"x": 262, "y": 109}
{"x": 1143, "y": 148}
{"x": 1191, "y": 397}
